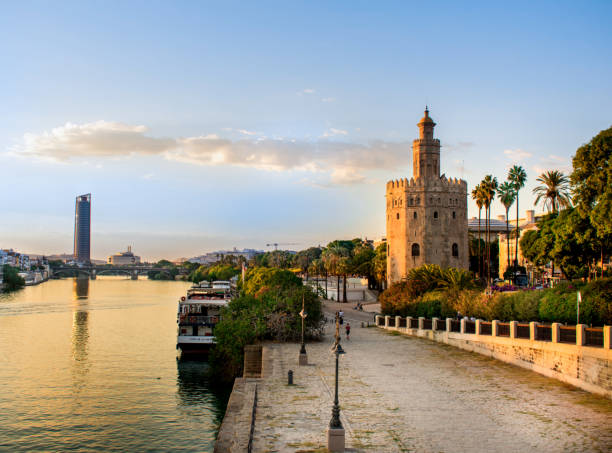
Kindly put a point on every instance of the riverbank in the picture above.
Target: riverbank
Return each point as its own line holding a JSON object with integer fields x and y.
{"x": 400, "y": 393}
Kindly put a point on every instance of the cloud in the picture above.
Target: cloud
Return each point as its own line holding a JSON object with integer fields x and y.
{"x": 328, "y": 99}
{"x": 342, "y": 162}
{"x": 553, "y": 162}
{"x": 332, "y": 132}
{"x": 306, "y": 91}
{"x": 148, "y": 176}
{"x": 517, "y": 155}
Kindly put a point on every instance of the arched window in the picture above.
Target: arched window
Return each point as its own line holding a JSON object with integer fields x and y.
{"x": 398, "y": 216}
{"x": 411, "y": 201}
{"x": 418, "y": 200}
{"x": 435, "y": 214}
{"x": 414, "y": 215}
{"x": 454, "y": 215}
{"x": 416, "y": 251}
{"x": 400, "y": 202}
{"x": 455, "y": 250}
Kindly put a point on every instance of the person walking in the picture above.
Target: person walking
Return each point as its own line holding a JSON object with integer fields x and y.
{"x": 348, "y": 330}
{"x": 341, "y": 314}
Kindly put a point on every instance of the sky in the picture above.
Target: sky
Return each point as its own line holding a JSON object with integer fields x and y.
{"x": 200, "y": 126}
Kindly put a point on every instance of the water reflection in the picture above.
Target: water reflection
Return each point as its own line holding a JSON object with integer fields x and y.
{"x": 80, "y": 333}
{"x": 80, "y": 288}
{"x": 196, "y": 390}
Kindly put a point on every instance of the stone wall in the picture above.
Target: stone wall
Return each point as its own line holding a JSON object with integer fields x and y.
{"x": 236, "y": 432}
{"x": 586, "y": 367}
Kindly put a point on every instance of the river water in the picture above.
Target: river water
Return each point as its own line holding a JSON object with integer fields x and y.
{"x": 91, "y": 366}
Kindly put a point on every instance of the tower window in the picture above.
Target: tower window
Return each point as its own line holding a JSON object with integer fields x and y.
{"x": 412, "y": 201}
{"x": 454, "y": 215}
{"x": 416, "y": 251}
{"x": 455, "y": 250}
{"x": 418, "y": 201}
{"x": 398, "y": 216}
{"x": 414, "y": 215}
{"x": 435, "y": 214}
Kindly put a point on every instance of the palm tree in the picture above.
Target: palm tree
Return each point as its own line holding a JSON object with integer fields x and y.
{"x": 517, "y": 177}
{"x": 506, "y": 196}
{"x": 554, "y": 190}
{"x": 488, "y": 186}
{"x": 332, "y": 257}
{"x": 477, "y": 196}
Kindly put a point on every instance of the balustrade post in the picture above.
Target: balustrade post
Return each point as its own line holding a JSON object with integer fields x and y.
{"x": 580, "y": 335}
{"x": 555, "y": 332}
{"x": 513, "y": 327}
{"x": 421, "y": 322}
{"x": 533, "y": 327}
{"x": 434, "y": 324}
{"x": 477, "y": 329}
{"x": 409, "y": 322}
{"x": 463, "y": 325}
{"x": 377, "y": 319}
{"x": 607, "y": 334}
{"x": 494, "y": 327}
{"x": 387, "y": 318}
{"x": 397, "y": 321}
{"x": 449, "y": 324}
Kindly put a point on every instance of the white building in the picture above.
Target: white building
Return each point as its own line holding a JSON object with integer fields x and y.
{"x": 123, "y": 258}
{"x": 213, "y": 257}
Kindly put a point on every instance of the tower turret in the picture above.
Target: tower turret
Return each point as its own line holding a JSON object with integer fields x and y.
{"x": 426, "y": 150}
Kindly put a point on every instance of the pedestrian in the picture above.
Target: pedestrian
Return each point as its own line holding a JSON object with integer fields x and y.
{"x": 348, "y": 330}
{"x": 341, "y": 314}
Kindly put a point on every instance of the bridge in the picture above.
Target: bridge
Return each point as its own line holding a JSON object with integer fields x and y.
{"x": 133, "y": 271}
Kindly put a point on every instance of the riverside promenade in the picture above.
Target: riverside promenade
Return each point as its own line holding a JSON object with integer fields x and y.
{"x": 401, "y": 393}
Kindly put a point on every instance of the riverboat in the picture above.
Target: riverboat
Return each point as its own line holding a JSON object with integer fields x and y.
{"x": 198, "y": 313}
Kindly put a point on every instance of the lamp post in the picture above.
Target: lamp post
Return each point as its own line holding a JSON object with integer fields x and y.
{"x": 335, "y": 432}
{"x": 303, "y": 360}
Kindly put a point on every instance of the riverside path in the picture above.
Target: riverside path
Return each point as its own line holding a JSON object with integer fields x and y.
{"x": 401, "y": 393}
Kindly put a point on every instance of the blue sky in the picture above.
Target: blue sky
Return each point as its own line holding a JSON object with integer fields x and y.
{"x": 199, "y": 126}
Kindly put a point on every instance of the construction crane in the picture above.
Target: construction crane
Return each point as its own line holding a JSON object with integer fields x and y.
{"x": 276, "y": 244}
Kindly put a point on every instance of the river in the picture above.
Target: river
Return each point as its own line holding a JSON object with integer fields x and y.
{"x": 91, "y": 366}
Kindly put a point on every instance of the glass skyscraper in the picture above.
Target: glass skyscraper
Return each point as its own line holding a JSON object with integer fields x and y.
{"x": 82, "y": 229}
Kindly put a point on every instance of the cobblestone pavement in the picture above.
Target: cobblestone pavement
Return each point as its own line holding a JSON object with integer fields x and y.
{"x": 400, "y": 393}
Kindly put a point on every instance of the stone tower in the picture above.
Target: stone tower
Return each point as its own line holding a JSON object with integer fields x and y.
{"x": 426, "y": 215}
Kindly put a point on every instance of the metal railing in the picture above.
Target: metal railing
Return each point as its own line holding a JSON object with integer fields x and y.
{"x": 441, "y": 325}
{"x": 567, "y": 334}
{"x": 402, "y": 322}
{"x": 544, "y": 333}
{"x": 455, "y": 325}
{"x": 486, "y": 328}
{"x": 381, "y": 321}
{"x": 503, "y": 329}
{"x": 392, "y": 321}
{"x": 427, "y": 324}
{"x": 523, "y": 331}
{"x": 197, "y": 319}
{"x": 414, "y": 323}
{"x": 470, "y": 326}
{"x": 594, "y": 337}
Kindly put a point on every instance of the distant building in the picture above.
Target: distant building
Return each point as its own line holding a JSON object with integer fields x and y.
{"x": 213, "y": 257}
{"x": 426, "y": 215}
{"x": 82, "y": 229}
{"x": 123, "y": 258}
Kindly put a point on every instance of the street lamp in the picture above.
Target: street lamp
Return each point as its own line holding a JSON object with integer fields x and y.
{"x": 303, "y": 356}
{"x": 335, "y": 432}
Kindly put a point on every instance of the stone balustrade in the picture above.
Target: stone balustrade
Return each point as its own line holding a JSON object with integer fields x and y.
{"x": 578, "y": 355}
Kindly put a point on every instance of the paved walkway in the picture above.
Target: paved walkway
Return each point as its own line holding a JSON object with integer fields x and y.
{"x": 400, "y": 394}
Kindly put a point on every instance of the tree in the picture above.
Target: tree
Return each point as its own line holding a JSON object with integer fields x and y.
{"x": 592, "y": 186}
{"x": 477, "y": 195}
{"x": 332, "y": 257}
{"x": 362, "y": 262}
{"x": 12, "y": 280}
{"x": 303, "y": 258}
{"x": 380, "y": 264}
{"x": 553, "y": 190}
{"x": 488, "y": 187}
{"x": 506, "y": 196}
{"x": 517, "y": 177}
